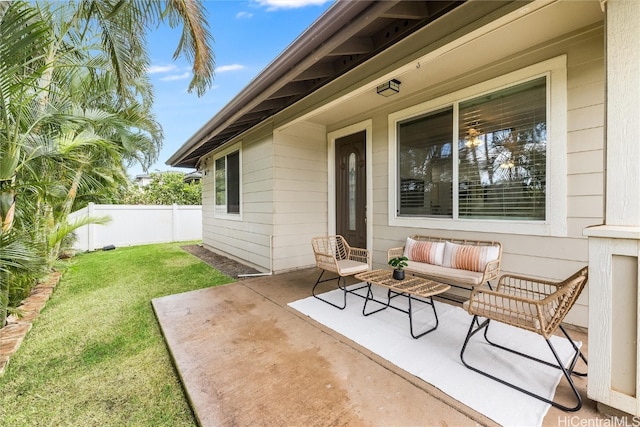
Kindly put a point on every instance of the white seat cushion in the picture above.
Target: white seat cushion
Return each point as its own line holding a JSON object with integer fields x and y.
{"x": 348, "y": 267}
{"x": 446, "y": 274}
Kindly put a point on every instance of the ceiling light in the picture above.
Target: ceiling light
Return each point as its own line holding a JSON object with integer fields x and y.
{"x": 389, "y": 88}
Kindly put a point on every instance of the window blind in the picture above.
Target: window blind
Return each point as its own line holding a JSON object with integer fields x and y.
{"x": 502, "y": 153}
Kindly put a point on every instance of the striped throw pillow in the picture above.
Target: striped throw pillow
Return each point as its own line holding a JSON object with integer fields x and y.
{"x": 469, "y": 257}
{"x": 428, "y": 252}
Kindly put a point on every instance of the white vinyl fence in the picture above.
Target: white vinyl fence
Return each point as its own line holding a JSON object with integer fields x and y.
{"x": 132, "y": 225}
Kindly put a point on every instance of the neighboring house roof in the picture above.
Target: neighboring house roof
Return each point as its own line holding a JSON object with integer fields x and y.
{"x": 345, "y": 36}
{"x": 145, "y": 179}
{"x": 192, "y": 177}
{"x": 142, "y": 179}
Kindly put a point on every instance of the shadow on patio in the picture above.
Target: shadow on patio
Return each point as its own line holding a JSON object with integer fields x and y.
{"x": 246, "y": 358}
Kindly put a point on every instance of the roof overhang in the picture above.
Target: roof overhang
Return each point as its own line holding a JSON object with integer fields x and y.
{"x": 348, "y": 34}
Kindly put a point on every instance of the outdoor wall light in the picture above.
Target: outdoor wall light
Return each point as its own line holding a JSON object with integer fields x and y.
{"x": 204, "y": 167}
{"x": 389, "y": 88}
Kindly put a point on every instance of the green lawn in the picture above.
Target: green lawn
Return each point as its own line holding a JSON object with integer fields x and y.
{"x": 96, "y": 356}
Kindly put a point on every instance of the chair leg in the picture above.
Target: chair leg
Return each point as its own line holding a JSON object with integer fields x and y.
{"x": 567, "y": 373}
{"x": 584, "y": 359}
{"x": 343, "y": 287}
{"x": 578, "y": 353}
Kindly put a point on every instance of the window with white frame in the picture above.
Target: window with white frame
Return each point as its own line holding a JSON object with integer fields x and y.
{"x": 425, "y": 165}
{"x": 502, "y": 149}
{"x": 227, "y": 183}
{"x": 483, "y": 160}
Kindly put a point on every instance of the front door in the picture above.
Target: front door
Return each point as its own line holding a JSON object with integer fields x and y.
{"x": 351, "y": 190}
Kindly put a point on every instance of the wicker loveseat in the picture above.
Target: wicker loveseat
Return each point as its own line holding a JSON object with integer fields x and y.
{"x": 458, "y": 262}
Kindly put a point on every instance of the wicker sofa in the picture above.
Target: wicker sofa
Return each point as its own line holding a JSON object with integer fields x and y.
{"x": 461, "y": 263}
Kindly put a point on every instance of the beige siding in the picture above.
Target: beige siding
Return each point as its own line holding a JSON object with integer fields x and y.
{"x": 247, "y": 238}
{"x": 285, "y": 174}
{"x": 547, "y": 257}
{"x": 300, "y": 194}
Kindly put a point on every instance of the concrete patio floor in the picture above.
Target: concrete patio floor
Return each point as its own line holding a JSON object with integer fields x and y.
{"x": 246, "y": 358}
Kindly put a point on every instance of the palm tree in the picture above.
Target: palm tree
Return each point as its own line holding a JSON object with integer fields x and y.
{"x": 22, "y": 41}
{"x": 75, "y": 106}
{"x": 121, "y": 27}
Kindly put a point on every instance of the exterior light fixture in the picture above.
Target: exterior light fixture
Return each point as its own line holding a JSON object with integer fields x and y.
{"x": 389, "y": 88}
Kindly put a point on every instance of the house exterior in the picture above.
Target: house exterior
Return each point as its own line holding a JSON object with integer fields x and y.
{"x": 509, "y": 121}
{"x": 145, "y": 179}
{"x": 142, "y": 180}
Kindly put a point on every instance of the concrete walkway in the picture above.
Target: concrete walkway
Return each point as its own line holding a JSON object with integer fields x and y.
{"x": 246, "y": 358}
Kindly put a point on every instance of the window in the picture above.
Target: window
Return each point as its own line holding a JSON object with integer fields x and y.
{"x": 501, "y": 157}
{"x": 426, "y": 165}
{"x": 479, "y": 159}
{"x": 227, "y": 183}
{"x": 502, "y": 148}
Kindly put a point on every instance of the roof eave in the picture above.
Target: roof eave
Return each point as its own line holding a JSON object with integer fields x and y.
{"x": 337, "y": 16}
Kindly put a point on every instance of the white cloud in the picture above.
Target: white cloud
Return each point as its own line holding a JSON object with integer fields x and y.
{"x": 173, "y": 77}
{"x": 231, "y": 67}
{"x": 288, "y": 4}
{"x": 153, "y": 69}
{"x": 244, "y": 15}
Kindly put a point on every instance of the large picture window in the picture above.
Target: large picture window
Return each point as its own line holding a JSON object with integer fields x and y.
{"x": 491, "y": 157}
{"x": 502, "y": 147}
{"x": 227, "y": 183}
{"x": 501, "y": 157}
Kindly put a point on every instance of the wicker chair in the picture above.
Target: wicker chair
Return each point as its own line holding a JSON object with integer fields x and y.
{"x": 333, "y": 254}
{"x": 531, "y": 304}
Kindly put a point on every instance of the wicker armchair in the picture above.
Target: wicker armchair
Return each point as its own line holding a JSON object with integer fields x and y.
{"x": 333, "y": 254}
{"x": 531, "y": 304}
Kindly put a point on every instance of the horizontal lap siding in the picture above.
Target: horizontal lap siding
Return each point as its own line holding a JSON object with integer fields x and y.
{"x": 585, "y": 158}
{"x": 247, "y": 240}
{"x": 542, "y": 256}
{"x": 300, "y": 195}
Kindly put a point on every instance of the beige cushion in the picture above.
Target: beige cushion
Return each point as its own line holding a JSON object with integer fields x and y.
{"x": 468, "y": 257}
{"x": 348, "y": 267}
{"x": 445, "y": 274}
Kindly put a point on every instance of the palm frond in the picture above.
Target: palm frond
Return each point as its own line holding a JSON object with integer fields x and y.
{"x": 195, "y": 41}
{"x": 64, "y": 228}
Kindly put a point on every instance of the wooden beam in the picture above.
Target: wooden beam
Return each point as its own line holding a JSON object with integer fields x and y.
{"x": 316, "y": 71}
{"x": 354, "y": 46}
{"x": 408, "y": 10}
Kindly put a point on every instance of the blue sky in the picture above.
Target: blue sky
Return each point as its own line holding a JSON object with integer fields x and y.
{"x": 247, "y": 35}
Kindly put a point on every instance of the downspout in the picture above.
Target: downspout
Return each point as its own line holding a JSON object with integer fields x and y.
{"x": 270, "y": 272}
{"x": 603, "y": 6}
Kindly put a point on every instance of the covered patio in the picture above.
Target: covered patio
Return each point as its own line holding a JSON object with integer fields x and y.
{"x": 246, "y": 358}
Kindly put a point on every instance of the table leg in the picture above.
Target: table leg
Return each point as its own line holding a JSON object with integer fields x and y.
{"x": 370, "y": 297}
{"x": 410, "y": 312}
